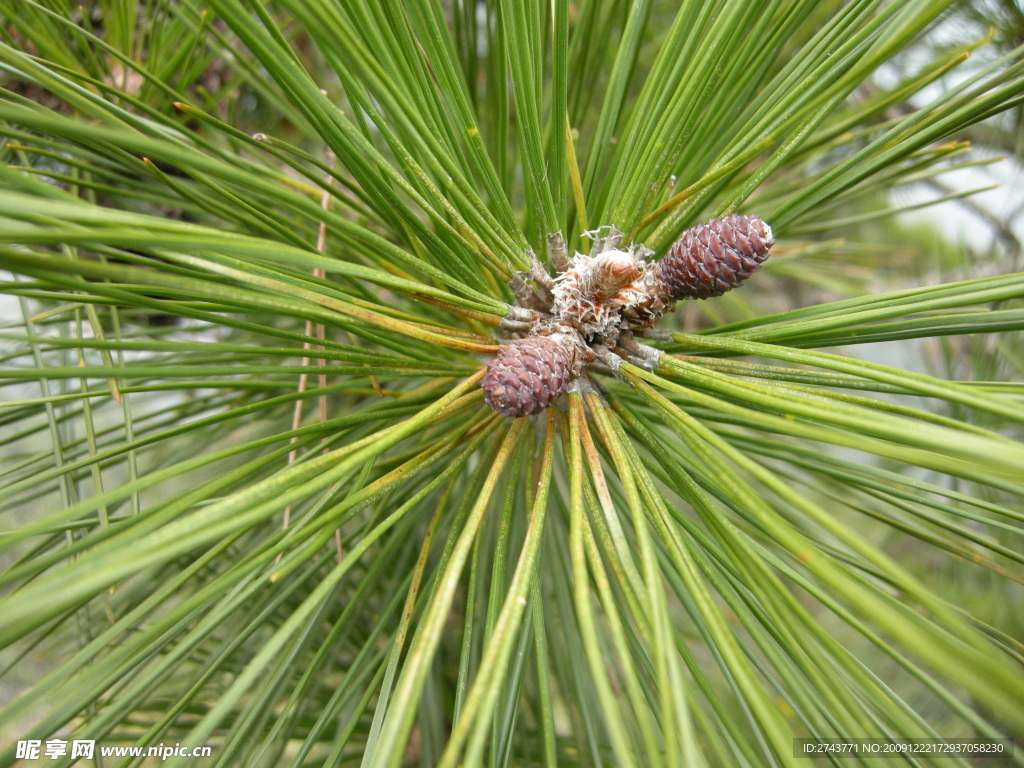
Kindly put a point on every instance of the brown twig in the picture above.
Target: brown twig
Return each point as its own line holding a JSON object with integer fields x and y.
{"x": 321, "y": 247}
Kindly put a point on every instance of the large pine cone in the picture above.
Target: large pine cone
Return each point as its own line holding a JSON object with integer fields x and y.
{"x": 526, "y": 377}
{"x": 713, "y": 258}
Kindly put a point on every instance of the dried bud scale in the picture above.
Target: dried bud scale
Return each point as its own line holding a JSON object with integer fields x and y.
{"x": 604, "y": 298}
{"x": 586, "y": 294}
{"x": 609, "y": 273}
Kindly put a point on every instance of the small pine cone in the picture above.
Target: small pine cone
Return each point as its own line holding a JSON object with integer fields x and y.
{"x": 526, "y": 377}
{"x": 713, "y": 258}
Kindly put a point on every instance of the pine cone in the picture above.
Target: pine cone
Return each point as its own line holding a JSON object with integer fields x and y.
{"x": 713, "y": 258}
{"x": 526, "y": 377}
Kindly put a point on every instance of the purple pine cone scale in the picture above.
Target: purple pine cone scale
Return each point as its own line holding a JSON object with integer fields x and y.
{"x": 713, "y": 257}
{"x": 526, "y": 377}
